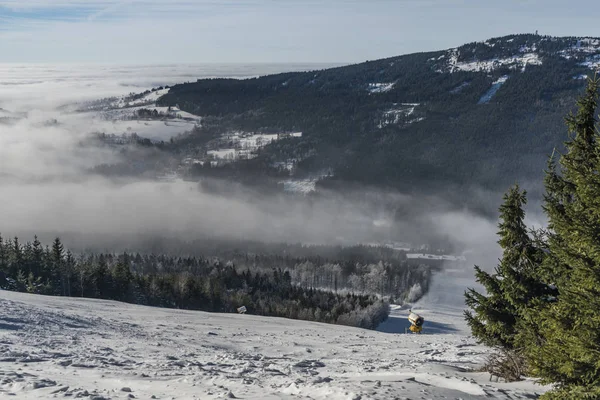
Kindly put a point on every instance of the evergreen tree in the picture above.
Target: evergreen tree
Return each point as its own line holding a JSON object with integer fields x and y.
{"x": 569, "y": 354}
{"x": 37, "y": 259}
{"x": 513, "y": 288}
{"x": 122, "y": 278}
{"x": 4, "y": 249}
{"x": 69, "y": 268}
{"x": 16, "y": 261}
{"x": 58, "y": 275}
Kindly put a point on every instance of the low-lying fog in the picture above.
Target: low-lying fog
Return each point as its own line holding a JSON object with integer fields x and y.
{"x": 45, "y": 187}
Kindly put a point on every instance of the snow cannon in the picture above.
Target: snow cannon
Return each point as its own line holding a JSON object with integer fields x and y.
{"x": 416, "y": 322}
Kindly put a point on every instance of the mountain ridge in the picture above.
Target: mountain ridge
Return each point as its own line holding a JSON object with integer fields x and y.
{"x": 484, "y": 114}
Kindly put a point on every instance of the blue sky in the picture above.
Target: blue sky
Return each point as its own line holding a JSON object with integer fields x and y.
{"x": 249, "y": 31}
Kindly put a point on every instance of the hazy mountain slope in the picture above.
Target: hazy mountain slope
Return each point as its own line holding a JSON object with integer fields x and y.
{"x": 57, "y": 347}
{"x": 482, "y": 114}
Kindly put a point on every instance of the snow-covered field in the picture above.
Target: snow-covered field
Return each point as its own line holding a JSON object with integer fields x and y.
{"x": 152, "y": 129}
{"x": 54, "y": 347}
{"x": 150, "y": 98}
{"x": 245, "y": 145}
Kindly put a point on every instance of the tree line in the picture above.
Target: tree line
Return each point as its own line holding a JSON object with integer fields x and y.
{"x": 541, "y": 308}
{"x": 195, "y": 283}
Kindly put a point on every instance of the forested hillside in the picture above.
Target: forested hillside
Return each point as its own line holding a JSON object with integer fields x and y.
{"x": 484, "y": 114}
{"x": 327, "y": 284}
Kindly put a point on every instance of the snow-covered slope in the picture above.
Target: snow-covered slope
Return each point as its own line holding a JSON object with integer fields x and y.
{"x": 517, "y": 61}
{"x": 517, "y": 53}
{"x": 56, "y": 347}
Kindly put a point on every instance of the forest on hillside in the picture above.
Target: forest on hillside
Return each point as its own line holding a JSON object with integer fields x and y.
{"x": 342, "y": 286}
{"x": 452, "y": 143}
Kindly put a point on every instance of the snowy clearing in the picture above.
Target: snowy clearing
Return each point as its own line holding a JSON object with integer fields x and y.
{"x": 592, "y": 62}
{"x": 583, "y": 46}
{"x": 167, "y": 111}
{"x": 52, "y": 347}
{"x": 425, "y": 256}
{"x": 400, "y": 113}
{"x": 244, "y": 145}
{"x": 492, "y": 91}
{"x": 225, "y": 154}
{"x": 380, "y": 87}
{"x": 516, "y": 61}
{"x": 150, "y": 98}
{"x": 156, "y": 130}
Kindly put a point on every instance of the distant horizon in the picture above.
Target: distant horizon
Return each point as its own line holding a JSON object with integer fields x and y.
{"x": 328, "y": 64}
{"x": 148, "y": 32}
{"x": 175, "y": 64}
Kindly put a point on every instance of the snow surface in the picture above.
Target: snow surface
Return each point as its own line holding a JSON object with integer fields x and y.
{"x": 492, "y": 91}
{"x": 589, "y": 47}
{"x": 516, "y": 61}
{"x": 399, "y": 113}
{"x": 70, "y": 347}
{"x": 583, "y": 46}
{"x": 174, "y": 111}
{"x": 225, "y": 154}
{"x": 109, "y": 123}
{"x": 592, "y": 62}
{"x": 425, "y": 256}
{"x": 245, "y": 144}
{"x": 150, "y": 98}
{"x": 381, "y": 87}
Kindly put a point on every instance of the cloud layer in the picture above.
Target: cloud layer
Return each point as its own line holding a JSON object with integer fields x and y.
{"x": 45, "y": 186}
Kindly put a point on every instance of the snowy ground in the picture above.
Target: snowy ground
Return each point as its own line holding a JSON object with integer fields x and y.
{"x": 153, "y": 130}
{"x": 516, "y": 61}
{"x": 57, "y": 347}
{"x": 399, "y": 113}
{"x": 381, "y": 87}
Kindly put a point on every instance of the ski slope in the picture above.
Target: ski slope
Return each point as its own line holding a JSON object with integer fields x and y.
{"x": 53, "y": 347}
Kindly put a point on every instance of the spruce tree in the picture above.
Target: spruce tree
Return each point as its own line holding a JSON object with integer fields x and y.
{"x": 4, "y": 249}
{"x": 569, "y": 328}
{"x": 496, "y": 316}
{"x": 58, "y": 275}
{"x": 123, "y": 278}
{"x": 16, "y": 261}
{"x": 37, "y": 258}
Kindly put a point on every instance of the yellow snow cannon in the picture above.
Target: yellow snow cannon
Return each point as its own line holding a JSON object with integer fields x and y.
{"x": 416, "y": 322}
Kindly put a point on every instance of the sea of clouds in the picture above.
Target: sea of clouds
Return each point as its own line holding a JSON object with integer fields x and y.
{"x": 46, "y": 187}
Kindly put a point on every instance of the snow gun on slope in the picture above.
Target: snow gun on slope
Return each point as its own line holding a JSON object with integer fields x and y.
{"x": 416, "y": 322}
